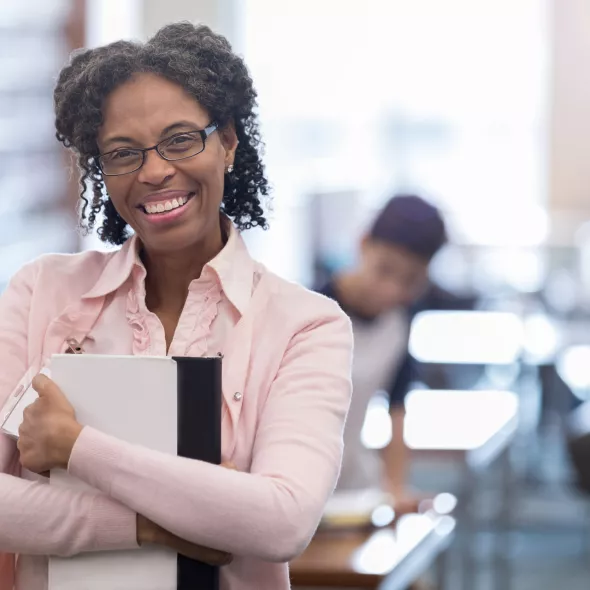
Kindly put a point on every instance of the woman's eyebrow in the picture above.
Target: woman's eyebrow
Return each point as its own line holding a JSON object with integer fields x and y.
{"x": 118, "y": 139}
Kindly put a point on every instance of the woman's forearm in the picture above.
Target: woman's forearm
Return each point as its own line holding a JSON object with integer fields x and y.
{"x": 206, "y": 504}
{"x": 240, "y": 513}
{"x": 38, "y": 519}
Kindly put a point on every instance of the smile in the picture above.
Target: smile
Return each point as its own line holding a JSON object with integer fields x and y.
{"x": 165, "y": 210}
{"x": 165, "y": 206}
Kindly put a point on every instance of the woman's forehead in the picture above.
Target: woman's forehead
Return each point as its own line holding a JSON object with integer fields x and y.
{"x": 147, "y": 104}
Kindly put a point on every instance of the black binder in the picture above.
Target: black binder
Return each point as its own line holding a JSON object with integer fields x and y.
{"x": 199, "y": 437}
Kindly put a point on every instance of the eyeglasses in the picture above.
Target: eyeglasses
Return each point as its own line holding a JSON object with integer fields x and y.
{"x": 179, "y": 146}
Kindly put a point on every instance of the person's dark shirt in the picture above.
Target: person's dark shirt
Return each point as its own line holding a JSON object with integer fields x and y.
{"x": 408, "y": 371}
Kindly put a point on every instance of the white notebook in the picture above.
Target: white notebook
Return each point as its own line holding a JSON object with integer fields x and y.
{"x": 134, "y": 399}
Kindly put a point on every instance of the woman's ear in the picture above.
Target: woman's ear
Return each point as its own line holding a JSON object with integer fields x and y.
{"x": 229, "y": 141}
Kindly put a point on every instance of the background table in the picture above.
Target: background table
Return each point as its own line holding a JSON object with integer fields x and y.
{"x": 390, "y": 558}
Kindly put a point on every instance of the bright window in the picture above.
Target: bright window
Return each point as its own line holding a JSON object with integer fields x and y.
{"x": 444, "y": 98}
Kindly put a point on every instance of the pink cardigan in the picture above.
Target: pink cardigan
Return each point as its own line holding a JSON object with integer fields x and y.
{"x": 288, "y": 354}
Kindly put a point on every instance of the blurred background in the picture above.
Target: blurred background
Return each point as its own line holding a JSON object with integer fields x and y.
{"x": 480, "y": 106}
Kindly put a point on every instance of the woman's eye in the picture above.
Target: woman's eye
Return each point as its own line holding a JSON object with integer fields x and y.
{"x": 123, "y": 154}
{"x": 180, "y": 144}
{"x": 180, "y": 139}
{"x": 120, "y": 156}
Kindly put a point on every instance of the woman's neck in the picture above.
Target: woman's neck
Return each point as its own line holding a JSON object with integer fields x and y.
{"x": 170, "y": 274}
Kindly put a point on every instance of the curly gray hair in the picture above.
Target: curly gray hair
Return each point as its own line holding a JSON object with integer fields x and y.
{"x": 200, "y": 61}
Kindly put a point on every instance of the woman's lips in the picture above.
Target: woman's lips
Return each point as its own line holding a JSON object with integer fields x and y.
{"x": 167, "y": 208}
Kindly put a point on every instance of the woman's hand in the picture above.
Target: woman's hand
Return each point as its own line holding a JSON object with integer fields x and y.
{"x": 150, "y": 532}
{"x": 49, "y": 429}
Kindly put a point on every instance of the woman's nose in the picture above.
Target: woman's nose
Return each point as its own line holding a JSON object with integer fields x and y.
{"x": 155, "y": 169}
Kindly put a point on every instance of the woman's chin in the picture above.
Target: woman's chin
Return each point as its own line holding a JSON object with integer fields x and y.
{"x": 179, "y": 238}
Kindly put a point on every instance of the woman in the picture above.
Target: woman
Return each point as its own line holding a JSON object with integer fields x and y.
{"x": 166, "y": 135}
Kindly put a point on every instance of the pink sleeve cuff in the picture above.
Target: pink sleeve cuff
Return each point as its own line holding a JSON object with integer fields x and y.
{"x": 115, "y": 525}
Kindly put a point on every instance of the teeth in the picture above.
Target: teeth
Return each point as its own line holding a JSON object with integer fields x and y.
{"x": 163, "y": 206}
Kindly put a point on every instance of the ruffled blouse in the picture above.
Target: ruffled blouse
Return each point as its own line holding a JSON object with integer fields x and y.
{"x": 206, "y": 319}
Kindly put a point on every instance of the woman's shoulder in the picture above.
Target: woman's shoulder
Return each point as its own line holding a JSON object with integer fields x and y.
{"x": 292, "y": 300}
{"x": 73, "y": 272}
{"x": 288, "y": 316}
{"x": 66, "y": 262}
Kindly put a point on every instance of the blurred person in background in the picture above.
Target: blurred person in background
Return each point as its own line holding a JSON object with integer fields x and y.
{"x": 388, "y": 284}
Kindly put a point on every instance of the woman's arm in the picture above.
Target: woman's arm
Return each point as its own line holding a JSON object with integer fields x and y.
{"x": 272, "y": 512}
{"x": 39, "y": 519}
{"x": 36, "y": 518}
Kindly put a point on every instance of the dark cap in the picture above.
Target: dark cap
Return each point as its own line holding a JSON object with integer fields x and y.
{"x": 411, "y": 222}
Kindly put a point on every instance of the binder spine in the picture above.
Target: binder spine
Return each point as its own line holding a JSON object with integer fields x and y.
{"x": 199, "y": 437}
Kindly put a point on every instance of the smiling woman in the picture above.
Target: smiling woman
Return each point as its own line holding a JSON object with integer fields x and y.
{"x": 207, "y": 82}
{"x": 187, "y": 167}
{"x": 166, "y": 134}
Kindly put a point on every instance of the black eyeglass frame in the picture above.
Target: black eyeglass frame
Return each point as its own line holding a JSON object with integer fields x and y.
{"x": 204, "y": 133}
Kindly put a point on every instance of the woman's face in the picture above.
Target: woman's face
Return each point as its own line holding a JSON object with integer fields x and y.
{"x": 139, "y": 114}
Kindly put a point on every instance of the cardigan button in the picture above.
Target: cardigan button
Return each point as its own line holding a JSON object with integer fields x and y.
{"x": 237, "y": 396}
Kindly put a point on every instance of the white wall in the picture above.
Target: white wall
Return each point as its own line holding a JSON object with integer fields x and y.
{"x": 109, "y": 20}
{"x": 447, "y": 99}
{"x": 218, "y": 14}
